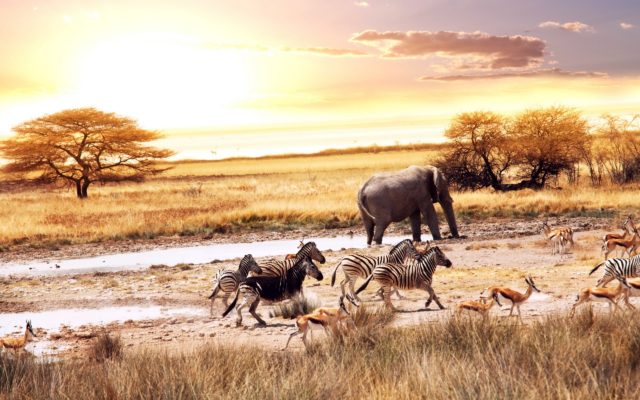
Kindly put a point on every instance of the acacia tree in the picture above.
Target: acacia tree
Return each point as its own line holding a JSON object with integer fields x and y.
{"x": 82, "y": 146}
{"x": 481, "y": 151}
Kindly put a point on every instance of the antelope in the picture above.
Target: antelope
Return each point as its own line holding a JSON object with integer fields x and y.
{"x": 632, "y": 291}
{"x": 629, "y": 244}
{"x": 558, "y": 237}
{"x": 516, "y": 298}
{"x": 326, "y": 317}
{"x": 601, "y": 294}
{"x": 477, "y": 306}
{"x": 18, "y": 343}
{"x": 627, "y": 227}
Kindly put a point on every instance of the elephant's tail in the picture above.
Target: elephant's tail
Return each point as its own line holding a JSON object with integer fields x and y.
{"x": 363, "y": 208}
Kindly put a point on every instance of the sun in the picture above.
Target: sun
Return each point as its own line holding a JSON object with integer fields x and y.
{"x": 172, "y": 80}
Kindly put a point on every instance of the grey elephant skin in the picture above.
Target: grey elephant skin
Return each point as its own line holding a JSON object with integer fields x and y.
{"x": 392, "y": 197}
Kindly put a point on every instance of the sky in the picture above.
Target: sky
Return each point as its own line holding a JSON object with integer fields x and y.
{"x": 253, "y": 77}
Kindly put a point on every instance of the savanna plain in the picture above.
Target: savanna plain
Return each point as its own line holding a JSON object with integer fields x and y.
{"x": 411, "y": 353}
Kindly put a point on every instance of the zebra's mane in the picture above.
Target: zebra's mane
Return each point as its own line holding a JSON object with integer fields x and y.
{"x": 307, "y": 246}
{"x": 400, "y": 245}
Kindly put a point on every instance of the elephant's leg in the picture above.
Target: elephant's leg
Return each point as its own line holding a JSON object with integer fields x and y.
{"x": 369, "y": 226}
{"x": 447, "y": 208}
{"x": 431, "y": 218}
{"x": 381, "y": 225}
{"x": 415, "y": 225}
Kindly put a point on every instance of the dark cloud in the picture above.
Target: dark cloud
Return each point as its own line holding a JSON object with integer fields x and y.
{"x": 549, "y": 72}
{"x": 498, "y": 51}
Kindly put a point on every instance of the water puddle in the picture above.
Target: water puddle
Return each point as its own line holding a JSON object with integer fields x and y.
{"x": 52, "y": 320}
{"x": 194, "y": 254}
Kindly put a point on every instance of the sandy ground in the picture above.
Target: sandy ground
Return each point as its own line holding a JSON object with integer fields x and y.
{"x": 493, "y": 253}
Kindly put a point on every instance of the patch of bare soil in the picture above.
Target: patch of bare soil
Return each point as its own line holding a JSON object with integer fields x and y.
{"x": 492, "y": 254}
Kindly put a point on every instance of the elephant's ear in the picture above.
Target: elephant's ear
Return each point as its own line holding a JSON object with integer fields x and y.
{"x": 441, "y": 186}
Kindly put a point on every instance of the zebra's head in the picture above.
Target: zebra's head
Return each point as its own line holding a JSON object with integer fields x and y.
{"x": 433, "y": 252}
{"x": 312, "y": 269}
{"x": 249, "y": 262}
{"x": 311, "y": 250}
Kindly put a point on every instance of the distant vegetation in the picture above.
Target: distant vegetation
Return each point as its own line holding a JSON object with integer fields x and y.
{"x": 536, "y": 147}
{"x": 558, "y": 357}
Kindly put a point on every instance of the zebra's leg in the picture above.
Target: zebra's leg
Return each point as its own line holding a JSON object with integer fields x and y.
{"x": 352, "y": 289}
{"x": 225, "y": 299}
{"x": 343, "y": 284}
{"x": 386, "y": 293}
{"x": 252, "y": 310}
{"x": 239, "y": 308}
{"x": 211, "y": 308}
{"x": 519, "y": 314}
{"x": 434, "y": 296}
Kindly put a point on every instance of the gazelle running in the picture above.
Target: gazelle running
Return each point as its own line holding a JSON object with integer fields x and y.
{"x": 478, "y": 306}
{"x": 628, "y": 227}
{"x": 516, "y": 298}
{"x": 328, "y": 318}
{"x": 629, "y": 245}
{"x": 20, "y": 342}
{"x": 632, "y": 291}
{"x": 599, "y": 294}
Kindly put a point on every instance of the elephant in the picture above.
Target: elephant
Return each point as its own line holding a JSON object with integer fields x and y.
{"x": 394, "y": 196}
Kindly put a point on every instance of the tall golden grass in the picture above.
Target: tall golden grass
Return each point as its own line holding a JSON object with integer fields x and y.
{"x": 270, "y": 194}
{"x": 559, "y": 357}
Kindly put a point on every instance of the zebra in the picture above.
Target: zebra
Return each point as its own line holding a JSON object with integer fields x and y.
{"x": 618, "y": 268}
{"x": 359, "y": 265}
{"x": 272, "y": 288}
{"x": 417, "y": 275}
{"x": 279, "y": 267}
{"x": 228, "y": 281}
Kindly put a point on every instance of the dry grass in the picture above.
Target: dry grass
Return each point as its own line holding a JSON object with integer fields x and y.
{"x": 106, "y": 347}
{"x": 274, "y": 194}
{"x": 584, "y": 357}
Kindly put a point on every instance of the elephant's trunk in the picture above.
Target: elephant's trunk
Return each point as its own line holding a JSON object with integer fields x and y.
{"x": 447, "y": 207}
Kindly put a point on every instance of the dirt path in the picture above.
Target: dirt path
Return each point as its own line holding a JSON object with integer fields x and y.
{"x": 485, "y": 258}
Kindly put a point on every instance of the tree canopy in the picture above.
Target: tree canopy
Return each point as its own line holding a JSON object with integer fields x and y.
{"x": 82, "y": 146}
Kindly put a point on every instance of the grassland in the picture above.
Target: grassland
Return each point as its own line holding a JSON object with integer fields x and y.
{"x": 584, "y": 357}
{"x": 274, "y": 194}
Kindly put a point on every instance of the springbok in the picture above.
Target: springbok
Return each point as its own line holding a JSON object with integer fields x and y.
{"x": 599, "y": 294}
{"x": 627, "y": 227}
{"x": 632, "y": 291}
{"x": 629, "y": 245}
{"x": 559, "y": 237}
{"x": 328, "y": 318}
{"x": 516, "y": 298}
{"x": 480, "y": 307}
{"x": 18, "y": 343}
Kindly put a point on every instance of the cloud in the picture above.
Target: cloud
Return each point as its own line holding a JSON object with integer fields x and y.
{"x": 361, "y": 4}
{"x": 577, "y": 27}
{"x": 626, "y": 25}
{"x": 544, "y": 73}
{"x": 497, "y": 51}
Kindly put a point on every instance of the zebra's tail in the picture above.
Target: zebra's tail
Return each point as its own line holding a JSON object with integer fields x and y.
{"x": 365, "y": 284}
{"x": 333, "y": 276}
{"x": 596, "y": 267}
{"x": 233, "y": 304}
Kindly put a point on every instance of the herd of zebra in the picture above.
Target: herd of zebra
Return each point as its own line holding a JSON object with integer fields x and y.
{"x": 406, "y": 266}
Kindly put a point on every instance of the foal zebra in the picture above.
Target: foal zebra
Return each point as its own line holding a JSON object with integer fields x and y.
{"x": 417, "y": 275}
{"x": 228, "y": 281}
{"x": 272, "y": 288}
{"x": 359, "y": 265}
{"x": 279, "y": 267}
{"x": 618, "y": 268}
